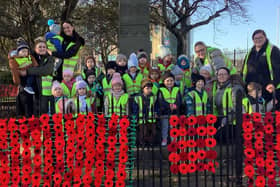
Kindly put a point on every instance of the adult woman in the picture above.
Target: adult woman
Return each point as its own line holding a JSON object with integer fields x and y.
{"x": 262, "y": 64}
{"x": 43, "y": 73}
{"x": 72, "y": 43}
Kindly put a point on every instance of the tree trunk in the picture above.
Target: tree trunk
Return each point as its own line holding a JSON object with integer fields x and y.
{"x": 182, "y": 47}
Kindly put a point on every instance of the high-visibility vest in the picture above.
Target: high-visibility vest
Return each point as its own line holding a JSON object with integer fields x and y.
{"x": 67, "y": 92}
{"x": 227, "y": 92}
{"x": 52, "y": 46}
{"x": 89, "y": 101}
{"x": 23, "y": 61}
{"x": 247, "y": 105}
{"x": 162, "y": 68}
{"x": 170, "y": 97}
{"x": 70, "y": 63}
{"x": 187, "y": 79}
{"x": 133, "y": 86}
{"x": 150, "y": 118}
{"x": 200, "y": 103}
{"x": 57, "y": 110}
{"x": 155, "y": 88}
{"x": 47, "y": 85}
{"x": 145, "y": 72}
{"x": 117, "y": 106}
{"x": 268, "y": 61}
{"x": 106, "y": 86}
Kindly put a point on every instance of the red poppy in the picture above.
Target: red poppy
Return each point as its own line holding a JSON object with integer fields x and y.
{"x": 112, "y": 140}
{"x": 183, "y": 168}
{"x": 123, "y": 140}
{"x": 112, "y": 149}
{"x": 271, "y": 182}
{"x": 249, "y": 152}
{"x": 270, "y": 154}
{"x": 111, "y": 156}
{"x": 201, "y": 131}
{"x": 268, "y": 128}
{"x": 120, "y": 183}
{"x": 268, "y": 138}
{"x": 211, "y": 119}
{"x": 101, "y": 130}
{"x": 99, "y": 155}
{"x": 268, "y": 119}
{"x": 112, "y": 124}
{"x": 57, "y": 178}
{"x": 124, "y": 123}
{"x": 191, "y": 143}
{"x": 90, "y": 116}
{"x": 260, "y": 171}
{"x": 57, "y": 118}
{"x": 121, "y": 166}
{"x": 260, "y": 181}
{"x": 123, "y": 148}
{"x": 249, "y": 170}
{"x": 123, "y": 132}
{"x": 210, "y": 142}
{"x": 191, "y": 120}
{"x": 192, "y": 167}
{"x": 23, "y": 129}
{"x": 174, "y": 157}
{"x": 200, "y": 166}
{"x": 210, "y": 166}
{"x": 123, "y": 157}
{"x": 121, "y": 174}
{"x": 192, "y": 156}
{"x": 260, "y": 162}
{"x": 211, "y": 131}
{"x": 247, "y": 126}
{"x": 247, "y": 136}
{"x": 269, "y": 163}
{"x": 174, "y": 133}
{"x": 110, "y": 173}
{"x": 259, "y": 144}
{"x": 184, "y": 156}
{"x": 68, "y": 116}
{"x": 182, "y": 121}
{"x": 249, "y": 161}
{"x": 270, "y": 173}
{"x": 269, "y": 146}
{"x": 44, "y": 118}
{"x": 174, "y": 120}
{"x": 246, "y": 117}
{"x": 259, "y": 135}
{"x": 201, "y": 154}
{"x": 182, "y": 144}
{"x": 258, "y": 153}
{"x": 200, "y": 143}
{"x": 26, "y": 179}
{"x": 191, "y": 131}
{"x": 69, "y": 125}
{"x": 26, "y": 153}
{"x": 172, "y": 147}
{"x": 174, "y": 168}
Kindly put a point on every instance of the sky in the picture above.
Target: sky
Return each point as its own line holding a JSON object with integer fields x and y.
{"x": 263, "y": 15}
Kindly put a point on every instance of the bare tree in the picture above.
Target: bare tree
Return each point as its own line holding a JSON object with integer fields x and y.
{"x": 181, "y": 16}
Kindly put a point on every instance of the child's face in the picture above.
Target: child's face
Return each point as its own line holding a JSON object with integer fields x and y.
{"x": 155, "y": 75}
{"x": 147, "y": 90}
{"x": 57, "y": 92}
{"x": 169, "y": 82}
{"x": 199, "y": 84}
{"x": 90, "y": 63}
{"x": 183, "y": 62}
{"x": 121, "y": 62}
{"x": 111, "y": 71}
{"x": 142, "y": 62}
{"x": 91, "y": 79}
{"x": 205, "y": 74}
{"x": 117, "y": 87}
{"x": 82, "y": 91}
{"x": 167, "y": 59}
{"x": 67, "y": 77}
{"x": 23, "y": 52}
{"x": 132, "y": 69}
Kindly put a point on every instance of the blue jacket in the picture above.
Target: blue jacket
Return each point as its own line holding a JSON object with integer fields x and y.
{"x": 57, "y": 44}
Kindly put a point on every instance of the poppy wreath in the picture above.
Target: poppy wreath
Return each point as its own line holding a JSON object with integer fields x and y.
{"x": 188, "y": 154}
{"x": 260, "y": 134}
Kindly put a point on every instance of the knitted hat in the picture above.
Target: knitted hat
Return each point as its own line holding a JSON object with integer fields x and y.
{"x": 164, "y": 51}
{"x": 166, "y": 75}
{"x": 176, "y": 70}
{"x": 68, "y": 72}
{"x": 54, "y": 28}
{"x": 142, "y": 54}
{"x": 81, "y": 84}
{"x": 186, "y": 59}
{"x": 196, "y": 77}
{"x": 22, "y": 45}
{"x": 121, "y": 57}
{"x": 55, "y": 85}
{"x": 111, "y": 65}
{"x": 132, "y": 61}
{"x": 225, "y": 68}
{"x": 206, "y": 67}
{"x": 116, "y": 79}
{"x": 146, "y": 83}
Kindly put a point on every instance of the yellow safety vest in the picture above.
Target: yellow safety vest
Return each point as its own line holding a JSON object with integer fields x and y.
{"x": 151, "y": 117}
{"x": 57, "y": 110}
{"x": 23, "y": 61}
{"x": 155, "y": 88}
{"x": 247, "y": 105}
{"x": 162, "y": 67}
{"x": 200, "y": 104}
{"x": 170, "y": 97}
{"x": 67, "y": 92}
{"x": 106, "y": 86}
{"x": 145, "y": 73}
{"x": 133, "y": 86}
{"x": 117, "y": 106}
{"x": 52, "y": 46}
{"x": 47, "y": 85}
{"x": 70, "y": 63}
{"x": 89, "y": 101}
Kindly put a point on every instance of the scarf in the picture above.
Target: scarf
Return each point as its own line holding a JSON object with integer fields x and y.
{"x": 69, "y": 84}
{"x": 83, "y": 103}
{"x": 117, "y": 95}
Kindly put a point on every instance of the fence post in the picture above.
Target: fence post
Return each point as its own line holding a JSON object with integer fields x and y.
{"x": 238, "y": 139}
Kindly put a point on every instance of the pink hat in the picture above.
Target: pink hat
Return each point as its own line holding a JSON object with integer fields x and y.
{"x": 68, "y": 72}
{"x": 117, "y": 79}
{"x": 55, "y": 85}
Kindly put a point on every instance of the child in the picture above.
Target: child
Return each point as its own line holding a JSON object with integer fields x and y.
{"x": 106, "y": 81}
{"x": 143, "y": 63}
{"x": 68, "y": 83}
{"x": 95, "y": 89}
{"x": 133, "y": 78}
{"x": 184, "y": 63}
{"x": 169, "y": 102}
{"x": 178, "y": 74}
{"x": 254, "y": 102}
{"x": 117, "y": 101}
{"x": 22, "y": 61}
{"x": 154, "y": 77}
{"x": 197, "y": 100}
{"x": 144, "y": 107}
{"x": 121, "y": 63}
{"x": 59, "y": 99}
{"x": 83, "y": 101}
{"x": 166, "y": 60}
{"x": 89, "y": 65}
{"x": 53, "y": 38}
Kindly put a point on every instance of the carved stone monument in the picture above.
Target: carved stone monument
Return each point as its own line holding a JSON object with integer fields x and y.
{"x": 134, "y": 27}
